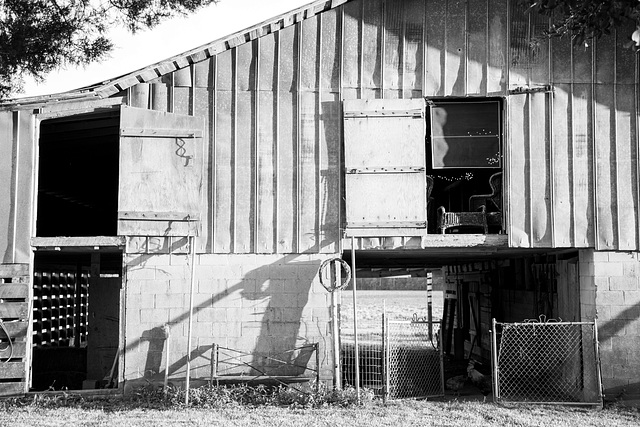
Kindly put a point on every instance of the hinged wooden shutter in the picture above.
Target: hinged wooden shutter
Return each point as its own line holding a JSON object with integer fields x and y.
{"x": 161, "y": 163}
{"x": 385, "y": 166}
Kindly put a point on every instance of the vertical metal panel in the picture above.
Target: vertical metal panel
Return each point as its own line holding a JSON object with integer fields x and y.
{"x": 518, "y": 192}
{"x": 223, "y": 170}
{"x": 562, "y": 167}
{"x": 203, "y": 73}
{"x": 24, "y": 187}
{"x": 477, "y": 48}
{"x": 139, "y": 95}
{"x": 393, "y": 49}
{"x": 498, "y": 46}
{"x": 372, "y": 49}
{"x": 539, "y": 178}
{"x": 267, "y": 136}
{"x": 351, "y": 53}
{"x": 626, "y": 142}
{"x": 287, "y": 141}
{"x": 203, "y": 108}
{"x": 413, "y": 50}
{"x": 159, "y": 97}
{"x": 436, "y": 52}
{"x": 454, "y": 69}
{"x": 244, "y": 123}
{"x": 7, "y": 189}
{"x": 309, "y": 136}
{"x": 582, "y": 159}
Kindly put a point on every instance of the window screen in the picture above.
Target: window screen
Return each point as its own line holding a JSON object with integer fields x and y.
{"x": 465, "y": 134}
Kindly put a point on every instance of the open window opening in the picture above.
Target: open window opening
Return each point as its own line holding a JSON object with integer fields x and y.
{"x": 464, "y": 165}
{"x": 78, "y": 175}
{"x": 76, "y": 319}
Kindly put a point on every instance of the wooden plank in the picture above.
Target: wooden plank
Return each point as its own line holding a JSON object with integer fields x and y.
{"x": 13, "y": 270}
{"x": 539, "y": 180}
{"x": 626, "y": 165}
{"x": 330, "y": 171}
{"x": 14, "y": 310}
{"x": 393, "y": 50}
{"x": 7, "y": 190}
{"x": 477, "y": 48}
{"x": 605, "y": 168}
{"x": 159, "y": 174}
{"x": 89, "y": 242}
{"x": 12, "y": 370}
{"x": 310, "y": 55}
{"x": 413, "y": 48}
{"x": 562, "y": 167}
{"x": 517, "y": 188}
{"x": 13, "y": 388}
{"x": 456, "y": 49}
{"x": 17, "y": 330}
{"x": 19, "y": 350}
{"x": 14, "y": 290}
{"x": 497, "y": 47}
{"x": 372, "y": 46}
{"x": 582, "y": 152}
{"x": 351, "y": 45}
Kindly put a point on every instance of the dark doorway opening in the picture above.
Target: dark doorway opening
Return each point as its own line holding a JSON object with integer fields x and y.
{"x": 78, "y": 175}
{"x": 76, "y": 319}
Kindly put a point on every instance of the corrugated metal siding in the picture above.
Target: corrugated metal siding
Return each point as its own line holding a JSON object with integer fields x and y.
{"x": 16, "y": 189}
{"x": 273, "y": 112}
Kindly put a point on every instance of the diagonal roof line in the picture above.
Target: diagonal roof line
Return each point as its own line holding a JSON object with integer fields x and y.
{"x": 183, "y": 60}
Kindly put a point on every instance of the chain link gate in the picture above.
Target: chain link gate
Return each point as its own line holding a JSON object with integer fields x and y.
{"x": 546, "y": 361}
{"x": 414, "y": 359}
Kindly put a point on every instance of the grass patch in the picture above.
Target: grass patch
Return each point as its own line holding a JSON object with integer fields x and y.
{"x": 256, "y": 406}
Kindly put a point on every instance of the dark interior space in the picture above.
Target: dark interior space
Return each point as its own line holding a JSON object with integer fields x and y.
{"x": 75, "y": 319}
{"x": 78, "y": 176}
{"x": 464, "y": 158}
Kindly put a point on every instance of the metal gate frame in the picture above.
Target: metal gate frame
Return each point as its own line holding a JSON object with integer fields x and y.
{"x": 553, "y": 366}
{"x": 405, "y": 355}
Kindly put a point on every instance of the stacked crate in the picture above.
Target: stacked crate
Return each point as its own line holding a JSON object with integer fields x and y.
{"x": 60, "y": 307}
{"x": 14, "y": 323}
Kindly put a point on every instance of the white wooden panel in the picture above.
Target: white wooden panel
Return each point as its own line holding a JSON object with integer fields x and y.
{"x": 385, "y": 164}
{"x": 380, "y": 198}
{"x": 160, "y": 177}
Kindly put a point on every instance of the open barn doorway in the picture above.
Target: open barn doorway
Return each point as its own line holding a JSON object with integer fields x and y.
{"x": 76, "y": 319}
{"x": 78, "y": 175}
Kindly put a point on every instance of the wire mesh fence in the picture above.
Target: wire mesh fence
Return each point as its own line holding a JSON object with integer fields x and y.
{"x": 397, "y": 359}
{"x": 547, "y": 362}
{"x": 370, "y": 356}
{"x": 414, "y": 359}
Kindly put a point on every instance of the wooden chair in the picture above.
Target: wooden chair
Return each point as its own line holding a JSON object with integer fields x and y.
{"x": 491, "y": 201}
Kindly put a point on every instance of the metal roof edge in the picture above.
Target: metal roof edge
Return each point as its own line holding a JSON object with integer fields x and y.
{"x": 215, "y": 47}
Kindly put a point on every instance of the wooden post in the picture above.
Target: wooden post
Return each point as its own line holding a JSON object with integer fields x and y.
{"x": 167, "y": 335}
{"x": 335, "y": 330}
{"x": 355, "y": 319}
{"x": 192, "y": 242}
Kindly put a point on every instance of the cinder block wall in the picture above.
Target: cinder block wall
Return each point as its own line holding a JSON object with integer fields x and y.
{"x": 609, "y": 292}
{"x": 260, "y": 304}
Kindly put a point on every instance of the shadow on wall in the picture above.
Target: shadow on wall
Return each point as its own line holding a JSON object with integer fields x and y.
{"x": 277, "y": 295}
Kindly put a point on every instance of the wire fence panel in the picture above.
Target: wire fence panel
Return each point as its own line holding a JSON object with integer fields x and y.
{"x": 547, "y": 362}
{"x": 370, "y": 357}
{"x": 414, "y": 360}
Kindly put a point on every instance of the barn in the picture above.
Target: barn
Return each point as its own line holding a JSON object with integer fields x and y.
{"x": 152, "y": 218}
